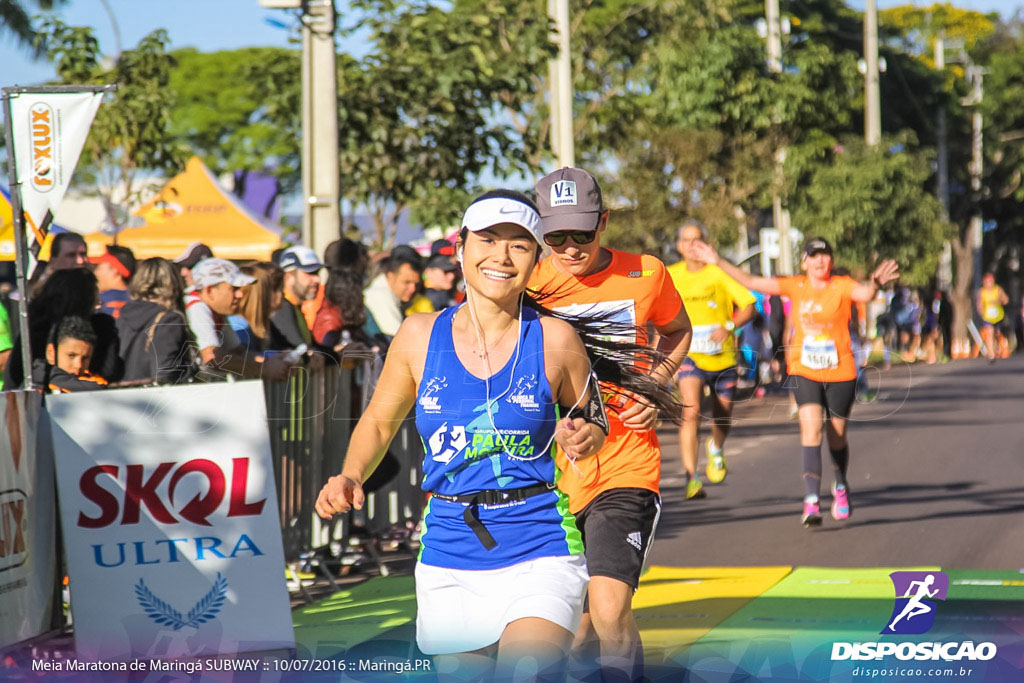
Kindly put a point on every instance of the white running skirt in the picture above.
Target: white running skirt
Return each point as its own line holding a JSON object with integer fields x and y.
{"x": 460, "y": 610}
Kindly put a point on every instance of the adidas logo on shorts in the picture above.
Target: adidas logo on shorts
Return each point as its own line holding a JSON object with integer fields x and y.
{"x": 635, "y": 540}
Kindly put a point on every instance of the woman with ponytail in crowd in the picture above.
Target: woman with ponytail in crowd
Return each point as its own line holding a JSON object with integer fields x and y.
{"x": 496, "y": 382}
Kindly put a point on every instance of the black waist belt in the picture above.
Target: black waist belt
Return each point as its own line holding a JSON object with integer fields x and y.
{"x": 491, "y": 497}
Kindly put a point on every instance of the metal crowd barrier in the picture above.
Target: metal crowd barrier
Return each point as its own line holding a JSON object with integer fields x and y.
{"x": 310, "y": 420}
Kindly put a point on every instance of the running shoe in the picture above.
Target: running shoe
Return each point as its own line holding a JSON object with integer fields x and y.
{"x": 812, "y": 514}
{"x": 840, "y": 503}
{"x": 716, "y": 469}
{"x": 694, "y": 489}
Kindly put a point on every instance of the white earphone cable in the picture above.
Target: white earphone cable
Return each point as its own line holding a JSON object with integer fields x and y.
{"x": 487, "y": 383}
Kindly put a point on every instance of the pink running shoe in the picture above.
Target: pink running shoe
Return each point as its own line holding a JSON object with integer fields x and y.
{"x": 812, "y": 514}
{"x": 840, "y": 503}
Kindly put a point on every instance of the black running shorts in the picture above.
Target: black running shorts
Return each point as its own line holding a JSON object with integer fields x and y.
{"x": 835, "y": 397}
{"x": 618, "y": 529}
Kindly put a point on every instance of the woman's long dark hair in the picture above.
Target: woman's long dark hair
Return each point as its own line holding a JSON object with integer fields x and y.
{"x": 622, "y": 364}
{"x": 69, "y": 292}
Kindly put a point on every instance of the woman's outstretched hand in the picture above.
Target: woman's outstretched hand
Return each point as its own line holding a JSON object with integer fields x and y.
{"x": 339, "y": 494}
{"x": 885, "y": 273}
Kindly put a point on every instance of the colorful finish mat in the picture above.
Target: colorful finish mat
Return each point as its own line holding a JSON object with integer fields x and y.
{"x": 738, "y": 624}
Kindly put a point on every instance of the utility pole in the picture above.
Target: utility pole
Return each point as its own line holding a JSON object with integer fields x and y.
{"x": 774, "y": 35}
{"x": 322, "y": 218}
{"x": 872, "y": 98}
{"x": 321, "y": 213}
{"x": 974, "y": 77}
{"x": 780, "y": 216}
{"x": 563, "y": 144}
{"x": 944, "y": 276}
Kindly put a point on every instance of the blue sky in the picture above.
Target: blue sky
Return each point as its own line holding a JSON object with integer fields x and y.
{"x": 206, "y": 24}
{"x": 225, "y": 24}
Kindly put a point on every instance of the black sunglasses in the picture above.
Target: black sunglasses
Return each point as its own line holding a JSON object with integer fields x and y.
{"x": 557, "y": 239}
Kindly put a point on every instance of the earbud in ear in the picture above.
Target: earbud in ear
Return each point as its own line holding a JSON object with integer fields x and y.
{"x": 458, "y": 256}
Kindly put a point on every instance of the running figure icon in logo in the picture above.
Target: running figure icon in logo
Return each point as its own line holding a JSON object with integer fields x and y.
{"x": 911, "y": 590}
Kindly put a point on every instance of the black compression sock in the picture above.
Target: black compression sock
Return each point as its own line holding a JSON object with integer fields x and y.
{"x": 841, "y": 460}
{"x": 812, "y": 469}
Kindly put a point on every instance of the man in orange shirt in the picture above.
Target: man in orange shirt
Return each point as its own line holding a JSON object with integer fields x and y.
{"x": 613, "y": 494}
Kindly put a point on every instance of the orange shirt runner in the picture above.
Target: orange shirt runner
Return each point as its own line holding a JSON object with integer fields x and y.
{"x": 820, "y": 348}
{"x": 639, "y": 288}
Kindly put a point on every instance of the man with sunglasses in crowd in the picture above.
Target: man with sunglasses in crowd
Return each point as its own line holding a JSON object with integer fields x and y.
{"x": 614, "y": 494}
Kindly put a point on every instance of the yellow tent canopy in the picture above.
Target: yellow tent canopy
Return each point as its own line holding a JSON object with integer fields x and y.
{"x": 6, "y": 228}
{"x": 192, "y": 207}
{"x": 7, "y": 247}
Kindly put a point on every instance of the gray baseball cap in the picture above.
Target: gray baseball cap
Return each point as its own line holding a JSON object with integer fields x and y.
{"x": 213, "y": 271}
{"x": 568, "y": 199}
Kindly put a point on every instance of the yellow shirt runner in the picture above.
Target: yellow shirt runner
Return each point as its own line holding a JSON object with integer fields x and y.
{"x": 992, "y": 304}
{"x": 710, "y": 297}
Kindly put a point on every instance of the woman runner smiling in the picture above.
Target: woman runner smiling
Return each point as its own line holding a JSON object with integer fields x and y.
{"x": 501, "y": 573}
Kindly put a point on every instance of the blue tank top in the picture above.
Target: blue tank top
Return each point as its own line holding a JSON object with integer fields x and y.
{"x": 463, "y": 456}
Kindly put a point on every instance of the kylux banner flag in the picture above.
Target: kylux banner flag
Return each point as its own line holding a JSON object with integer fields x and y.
{"x": 48, "y": 130}
{"x": 45, "y": 129}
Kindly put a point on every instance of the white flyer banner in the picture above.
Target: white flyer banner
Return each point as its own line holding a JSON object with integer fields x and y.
{"x": 171, "y": 522}
{"x": 49, "y": 130}
{"x": 27, "y": 520}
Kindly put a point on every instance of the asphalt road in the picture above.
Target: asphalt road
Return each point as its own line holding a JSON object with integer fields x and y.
{"x": 936, "y": 478}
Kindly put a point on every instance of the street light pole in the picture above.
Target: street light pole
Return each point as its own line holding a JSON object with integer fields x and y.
{"x": 322, "y": 192}
{"x": 774, "y": 35}
{"x": 563, "y": 144}
{"x": 975, "y": 76}
{"x": 780, "y": 216}
{"x": 321, "y": 214}
{"x": 944, "y": 276}
{"x": 872, "y": 98}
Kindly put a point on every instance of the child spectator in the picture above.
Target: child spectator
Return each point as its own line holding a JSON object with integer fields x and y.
{"x": 67, "y": 292}
{"x": 68, "y": 355}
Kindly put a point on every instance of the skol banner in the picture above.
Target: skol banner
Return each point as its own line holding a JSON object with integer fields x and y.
{"x": 170, "y": 521}
{"x": 27, "y": 520}
{"x": 49, "y": 130}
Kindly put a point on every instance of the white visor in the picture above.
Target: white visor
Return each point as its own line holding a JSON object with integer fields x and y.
{"x": 492, "y": 211}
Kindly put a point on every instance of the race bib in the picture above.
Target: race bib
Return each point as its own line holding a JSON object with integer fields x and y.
{"x": 702, "y": 341}
{"x": 992, "y": 312}
{"x": 819, "y": 354}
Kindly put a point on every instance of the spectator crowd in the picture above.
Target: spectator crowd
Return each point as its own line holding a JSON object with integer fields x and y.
{"x": 113, "y": 320}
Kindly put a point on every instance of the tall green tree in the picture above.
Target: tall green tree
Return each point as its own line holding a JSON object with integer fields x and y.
{"x": 872, "y": 204}
{"x": 16, "y": 21}
{"x": 914, "y": 31}
{"x": 1003, "y": 54}
{"x": 419, "y": 113}
{"x": 715, "y": 118}
{"x": 129, "y": 138}
{"x": 239, "y": 109}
